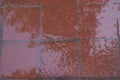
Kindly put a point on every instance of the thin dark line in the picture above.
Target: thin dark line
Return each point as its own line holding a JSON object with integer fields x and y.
{"x": 57, "y": 40}
{"x": 118, "y": 35}
{"x": 0, "y": 54}
{"x": 39, "y": 47}
{"x": 78, "y": 6}
{"x": 1, "y": 34}
{"x": 52, "y": 40}
{"x": 118, "y": 29}
{"x": 79, "y": 58}
{"x": 79, "y": 47}
{"x": 1, "y": 31}
{"x": 1, "y": 27}
{"x": 68, "y": 78}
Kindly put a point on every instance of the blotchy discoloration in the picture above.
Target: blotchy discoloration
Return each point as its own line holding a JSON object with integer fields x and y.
{"x": 21, "y": 24}
{"x": 98, "y": 19}
{"x": 59, "y": 60}
{"x": 99, "y": 57}
{"x": 54, "y": 60}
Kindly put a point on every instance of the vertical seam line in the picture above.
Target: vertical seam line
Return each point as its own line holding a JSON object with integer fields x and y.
{"x": 79, "y": 49}
{"x": 118, "y": 36}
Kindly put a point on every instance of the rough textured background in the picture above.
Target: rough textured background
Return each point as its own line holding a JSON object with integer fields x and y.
{"x": 59, "y": 39}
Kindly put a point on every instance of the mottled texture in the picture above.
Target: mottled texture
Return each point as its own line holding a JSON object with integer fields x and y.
{"x": 99, "y": 57}
{"x": 54, "y": 60}
{"x": 59, "y": 22}
{"x": 59, "y": 60}
{"x": 60, "y": 39}
{"x": 21, "y": 24}
{"x": 98, "y": 19}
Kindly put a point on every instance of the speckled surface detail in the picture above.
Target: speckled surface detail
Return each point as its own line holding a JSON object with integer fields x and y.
{"x": 60, "y": 39}
{"x": 23, "y": 23}
{"x": 98, "y": 19}
{"x": 99, "y": 57}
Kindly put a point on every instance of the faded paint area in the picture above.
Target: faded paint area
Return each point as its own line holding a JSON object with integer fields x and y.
{"x": 19, "y": 60}
{"x": 59, "y": 59}
{"x": 99, "y": 57}
{"x": 98, "y": 19}
{"x": 21, "y": 24}
{"x": 31, "y": 59}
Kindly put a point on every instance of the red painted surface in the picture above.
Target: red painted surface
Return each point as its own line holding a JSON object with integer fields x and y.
{"x": 60, "y": 22}
{"x": 21, "y": 2}
{"x": 98, "y": 19}
{"x": 56, "y": 20}
{"x": 99, "y": 58}
{"x": 21, "y": 23}
{"x": 58, "y": 2}
{"x": 59, "y": 60}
